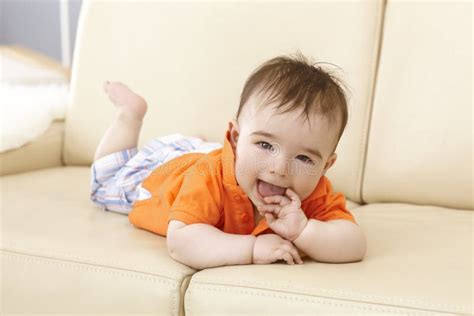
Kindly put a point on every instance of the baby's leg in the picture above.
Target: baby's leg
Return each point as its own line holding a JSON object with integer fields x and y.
{"x": 125, "y": 128}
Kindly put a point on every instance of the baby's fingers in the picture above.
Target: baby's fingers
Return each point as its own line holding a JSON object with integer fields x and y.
{"x": 293, "y": 196}
{"x": 277, "y": 199}
{"x": 294, "y": 252}
{"x": 273, "y": 208}
{"x": 296, "y": 255}
{"x": 288, "y": 258}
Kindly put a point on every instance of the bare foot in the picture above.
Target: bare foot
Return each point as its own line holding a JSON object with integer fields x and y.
{"x": 129, "y": 104}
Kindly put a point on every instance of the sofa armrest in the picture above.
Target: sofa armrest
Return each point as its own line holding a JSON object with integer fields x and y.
{"x": 44, "y": 152}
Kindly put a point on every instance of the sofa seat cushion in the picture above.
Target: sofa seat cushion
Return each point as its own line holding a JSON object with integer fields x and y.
{"x": 419, "y": 261}
{"x": 61, "y": 253}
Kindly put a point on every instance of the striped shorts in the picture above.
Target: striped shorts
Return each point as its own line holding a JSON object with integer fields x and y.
{"x": 116, "y": 178}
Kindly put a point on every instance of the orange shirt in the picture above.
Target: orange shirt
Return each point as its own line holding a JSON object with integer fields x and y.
{"x": 201, "y": 188}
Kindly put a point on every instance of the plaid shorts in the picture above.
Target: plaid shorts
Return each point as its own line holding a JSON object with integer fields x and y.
{"x": 116, "y": 178}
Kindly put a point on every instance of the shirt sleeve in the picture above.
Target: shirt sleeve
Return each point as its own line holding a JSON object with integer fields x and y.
{"x": 333, "y": 207}
{"x": 198, "y": 199}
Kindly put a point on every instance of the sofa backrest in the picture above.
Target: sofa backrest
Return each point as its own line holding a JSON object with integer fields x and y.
{"x": 420, "y": 140}
{"x": 190, "y": 61}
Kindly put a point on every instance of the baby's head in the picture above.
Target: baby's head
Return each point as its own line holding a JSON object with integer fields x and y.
{"x": 290, "y": 119}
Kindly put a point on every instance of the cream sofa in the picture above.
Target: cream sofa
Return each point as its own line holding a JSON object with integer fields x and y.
{"x": 405, "y": 161}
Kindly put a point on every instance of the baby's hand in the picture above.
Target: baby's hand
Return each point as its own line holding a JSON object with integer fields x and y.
{"x": 269, "y": 248}
{"x": 284, "y": 214}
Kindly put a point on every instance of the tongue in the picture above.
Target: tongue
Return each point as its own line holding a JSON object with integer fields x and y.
{"x": 266, "y": 189}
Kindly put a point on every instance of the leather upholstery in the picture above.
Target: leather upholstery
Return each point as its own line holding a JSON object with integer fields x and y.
{"x": 420, "y": 144}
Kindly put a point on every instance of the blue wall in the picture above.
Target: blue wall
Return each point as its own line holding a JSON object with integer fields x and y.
{"x": 36, "y": 24}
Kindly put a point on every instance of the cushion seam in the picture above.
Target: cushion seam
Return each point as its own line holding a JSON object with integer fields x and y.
{"x": 89, "y": 267}
{"x": 387, "y": 300}
{"x": 307, "y": 298}
{"x": 368, "y": 115}
{"x": 56, "y": 255}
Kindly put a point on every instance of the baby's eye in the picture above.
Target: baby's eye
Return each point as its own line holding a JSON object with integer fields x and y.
{"x": 306, "y": 159}
{"x": 265, "y": 145}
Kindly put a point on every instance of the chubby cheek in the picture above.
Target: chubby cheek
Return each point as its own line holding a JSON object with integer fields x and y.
{"x": 244, "y": 172}
{"x": 306, "y": 180}
{"x": 306, "y": 187}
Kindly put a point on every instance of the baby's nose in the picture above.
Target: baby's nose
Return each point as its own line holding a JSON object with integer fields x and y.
{"x": 280, "y": 166}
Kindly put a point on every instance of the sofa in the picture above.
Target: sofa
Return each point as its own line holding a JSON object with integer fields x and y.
{"x": 404, "y": 161}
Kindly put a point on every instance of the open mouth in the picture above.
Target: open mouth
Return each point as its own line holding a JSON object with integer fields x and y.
{"x": 267, "y": 189}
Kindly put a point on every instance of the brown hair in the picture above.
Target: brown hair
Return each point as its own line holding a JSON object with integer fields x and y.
{"x": 298, "y": 83}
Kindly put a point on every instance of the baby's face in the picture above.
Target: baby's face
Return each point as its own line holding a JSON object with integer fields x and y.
{"x": 281, "y": 149}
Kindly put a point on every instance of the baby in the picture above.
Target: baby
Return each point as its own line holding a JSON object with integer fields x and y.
{"x": 259, "y": 198}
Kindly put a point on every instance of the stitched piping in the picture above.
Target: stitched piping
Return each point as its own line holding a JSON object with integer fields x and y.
{"x": 333, "y": 293}
{"x": 80, "y": 260}
{"x": 360, "y": 305}
{"x": 87, "y": 267}
{"x": 325, "y": 301}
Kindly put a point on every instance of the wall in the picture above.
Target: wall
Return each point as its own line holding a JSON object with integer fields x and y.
{"x": 36, "y": 24}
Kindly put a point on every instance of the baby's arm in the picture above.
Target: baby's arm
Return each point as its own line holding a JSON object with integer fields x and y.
{"x": 201, "y": 246}
{"x": 331, "y": 241}
{"x": 335, "y": 241}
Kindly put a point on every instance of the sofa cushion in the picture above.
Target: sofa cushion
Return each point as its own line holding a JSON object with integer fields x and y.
{"x": 190, "y": 60}
{"x": 419, "y": 262}
{"x": 60, "y": 253}
{"x": 421, "y": 145}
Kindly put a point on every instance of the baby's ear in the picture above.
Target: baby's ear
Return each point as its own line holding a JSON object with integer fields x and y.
{"x": 233, "y": 131}
{"x": 330, "y": 162}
